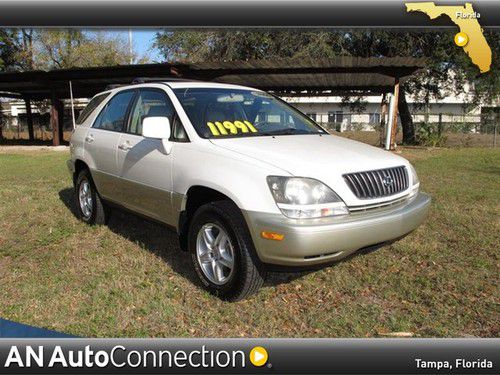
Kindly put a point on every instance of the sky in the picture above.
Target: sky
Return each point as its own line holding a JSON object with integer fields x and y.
{"x": 142, "y": 41}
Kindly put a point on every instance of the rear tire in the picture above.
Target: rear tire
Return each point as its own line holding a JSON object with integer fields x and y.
{"x": 228, "y": 267}
{"x": 89, "y": 206}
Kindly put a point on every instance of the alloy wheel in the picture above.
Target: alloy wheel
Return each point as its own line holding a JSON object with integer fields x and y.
{"x": 215, "y": 253}
{"x": 85, "y": 198}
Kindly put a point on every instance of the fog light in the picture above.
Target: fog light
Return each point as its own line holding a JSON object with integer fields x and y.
{"x": 272, "y": 236}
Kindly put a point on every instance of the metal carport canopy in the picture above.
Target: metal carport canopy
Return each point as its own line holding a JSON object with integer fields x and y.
{"x": 346, "y": 73}
{"x": 369, "y": 75}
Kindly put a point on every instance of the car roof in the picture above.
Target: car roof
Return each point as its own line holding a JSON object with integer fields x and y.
{"x": 178, "y": 84}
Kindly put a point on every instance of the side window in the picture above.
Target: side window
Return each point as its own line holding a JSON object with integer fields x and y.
{"x": 155, "y": 103}
{"x": 178, "y": 132}
{"x": 91, "y": 106}
{"x": 114, "y": 114}
{"x": 150, "y": 103}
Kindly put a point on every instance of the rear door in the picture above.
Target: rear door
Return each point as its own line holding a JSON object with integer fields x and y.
{"x": 145, "y": 170}
{"x": 102, "y": 139}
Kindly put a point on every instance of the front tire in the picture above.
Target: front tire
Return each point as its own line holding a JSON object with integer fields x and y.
{"x": 222, "y": 251}
{"x": 89, "y": 205}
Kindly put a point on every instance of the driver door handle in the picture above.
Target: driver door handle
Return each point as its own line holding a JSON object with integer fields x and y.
{"x": 125, "y": 146}
{"x": 89, "y": 138}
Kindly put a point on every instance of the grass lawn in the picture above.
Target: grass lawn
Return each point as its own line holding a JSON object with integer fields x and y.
{"x": 130, "y": 278}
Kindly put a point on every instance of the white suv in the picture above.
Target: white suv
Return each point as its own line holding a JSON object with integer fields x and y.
{"x": 247, "y": 181}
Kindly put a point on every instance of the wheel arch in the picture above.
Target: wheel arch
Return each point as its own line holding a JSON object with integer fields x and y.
{"x": 195, "y": 197}
{"x": 80, "y": 165}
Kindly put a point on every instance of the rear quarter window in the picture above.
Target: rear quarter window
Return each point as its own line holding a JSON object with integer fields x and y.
{"x": 93, "y": 104}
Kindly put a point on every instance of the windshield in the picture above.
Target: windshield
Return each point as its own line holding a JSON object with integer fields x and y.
{"x": 221, "y": 113}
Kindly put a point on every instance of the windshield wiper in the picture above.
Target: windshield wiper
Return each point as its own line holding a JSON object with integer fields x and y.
{"x": 284, "y": 132}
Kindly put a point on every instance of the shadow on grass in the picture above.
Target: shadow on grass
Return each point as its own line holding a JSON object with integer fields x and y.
{"x": 152, "y": 236}
{"x": 163, "y": 242}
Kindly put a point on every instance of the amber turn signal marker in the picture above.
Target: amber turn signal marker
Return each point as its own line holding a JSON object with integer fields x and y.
{"x": 272, "y": 236}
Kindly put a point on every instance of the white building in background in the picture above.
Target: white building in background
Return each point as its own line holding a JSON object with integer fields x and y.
{"x": 332, "y": 111}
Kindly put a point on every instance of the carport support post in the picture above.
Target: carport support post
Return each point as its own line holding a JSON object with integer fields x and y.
{"x": 383, "y": 123}
{"x": 394, "y": 114}
{"x": 56, "y": 120}
{"x": 29, "y": 119}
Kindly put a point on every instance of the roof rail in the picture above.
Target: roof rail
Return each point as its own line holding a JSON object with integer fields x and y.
{"x": 139, "y": 80}
{"x": 114, "y": 86}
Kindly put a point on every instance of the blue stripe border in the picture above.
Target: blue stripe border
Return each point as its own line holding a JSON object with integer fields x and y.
{"x": 10, "y": 329}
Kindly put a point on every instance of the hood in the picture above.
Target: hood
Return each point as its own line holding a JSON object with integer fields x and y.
{"x": 325, "y": 158}
{"x": 312, "y": 155}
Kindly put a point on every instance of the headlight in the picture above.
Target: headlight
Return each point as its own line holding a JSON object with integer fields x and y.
{"x": 299, "y": 198}
{"x": 415, "y": 182}
{"x": 414, "y": 177}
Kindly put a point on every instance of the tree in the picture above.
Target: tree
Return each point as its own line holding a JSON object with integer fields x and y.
{"x": 8, "y": 49}
{"x": 75, "y": 48}
{"x": 45, "y": 49}
{"x": 219, "y": 45}
{"x": 25, "y": 53}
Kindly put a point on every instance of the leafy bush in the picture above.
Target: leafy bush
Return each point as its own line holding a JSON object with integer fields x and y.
{"x": 429, "y": 135}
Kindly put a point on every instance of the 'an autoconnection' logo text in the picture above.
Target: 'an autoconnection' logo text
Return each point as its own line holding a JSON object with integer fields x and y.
{"x": 119, "y": 356}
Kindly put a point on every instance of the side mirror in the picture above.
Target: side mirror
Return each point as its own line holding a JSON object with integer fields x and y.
{"x": 158, "y": 128}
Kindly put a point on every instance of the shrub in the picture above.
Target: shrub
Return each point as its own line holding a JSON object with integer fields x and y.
{"x": 429, "y": 135}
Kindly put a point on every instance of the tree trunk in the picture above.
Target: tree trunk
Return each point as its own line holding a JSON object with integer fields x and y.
{"x": 406, "y": 120}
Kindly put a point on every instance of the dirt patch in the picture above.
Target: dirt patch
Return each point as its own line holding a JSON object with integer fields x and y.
{"x": 16, "y": 148}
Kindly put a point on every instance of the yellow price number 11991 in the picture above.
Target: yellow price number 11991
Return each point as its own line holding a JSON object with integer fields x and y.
{"x": 230, "y": 127}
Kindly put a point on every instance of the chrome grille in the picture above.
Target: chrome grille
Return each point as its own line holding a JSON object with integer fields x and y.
{"x": 378, "y": 183}
{"x": 377, "y": 206}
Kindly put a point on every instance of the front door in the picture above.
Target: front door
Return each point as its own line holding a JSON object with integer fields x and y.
{"x": 101, "y": 143}
{"x": 145, "y": 170}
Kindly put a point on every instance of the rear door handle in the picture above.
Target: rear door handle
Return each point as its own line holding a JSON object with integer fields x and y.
{"x": 89, "y": 138}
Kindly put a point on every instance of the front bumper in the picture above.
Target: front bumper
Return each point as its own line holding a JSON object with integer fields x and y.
{"x": 312, "y": 242}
